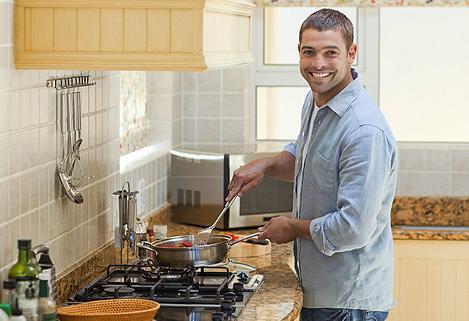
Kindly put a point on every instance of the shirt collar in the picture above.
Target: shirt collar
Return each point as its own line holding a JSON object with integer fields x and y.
{"x": 340, "y": 102}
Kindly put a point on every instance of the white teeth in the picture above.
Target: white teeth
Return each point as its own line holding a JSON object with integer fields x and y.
{"x": 320, "y": 74}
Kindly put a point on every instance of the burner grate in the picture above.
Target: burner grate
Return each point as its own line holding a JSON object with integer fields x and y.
{"x": 202, "y": 285}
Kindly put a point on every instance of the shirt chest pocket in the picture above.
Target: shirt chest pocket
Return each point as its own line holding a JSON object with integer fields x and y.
{"x": 322, "y": 173}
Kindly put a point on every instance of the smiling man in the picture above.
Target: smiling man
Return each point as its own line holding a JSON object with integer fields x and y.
{"x": 344, "y": 165}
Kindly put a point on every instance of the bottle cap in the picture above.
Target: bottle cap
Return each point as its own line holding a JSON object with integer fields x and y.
{"x": 9, "y": 284}
{"x": 24, "y": 244}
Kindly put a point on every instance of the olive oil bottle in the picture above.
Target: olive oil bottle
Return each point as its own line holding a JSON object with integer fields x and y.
{"x": 25, "y": 272}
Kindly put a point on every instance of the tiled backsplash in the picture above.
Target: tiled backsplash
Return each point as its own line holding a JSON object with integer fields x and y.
{"x": 215, "y": 107}
{"x": 433, "y": 169}
{"x": 164, "y": 107}
{"x": 34, "y": 204}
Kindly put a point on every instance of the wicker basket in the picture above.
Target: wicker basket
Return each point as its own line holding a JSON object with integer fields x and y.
{"x": 110, "y": 310}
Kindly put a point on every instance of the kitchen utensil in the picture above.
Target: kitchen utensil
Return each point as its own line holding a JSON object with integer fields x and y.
{"x": 204, "y": 234}
{"x": 70, "y": 154}
{"x": 127, "y": 205}
{"x": 110, "y": 310}
{"x": 68, "y": 107}
{"x": 168, "y": 252}
{"x": 71, "y": 191}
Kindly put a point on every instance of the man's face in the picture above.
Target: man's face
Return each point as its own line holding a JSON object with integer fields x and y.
{"x": 325, "y": 62}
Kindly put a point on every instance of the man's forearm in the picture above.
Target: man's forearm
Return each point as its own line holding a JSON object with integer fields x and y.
{"x": 301, "y": 228}
{"x": 281, "y": 166}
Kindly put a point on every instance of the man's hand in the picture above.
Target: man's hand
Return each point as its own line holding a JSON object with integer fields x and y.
{"x": 283, "y": 229}
{"x": 247, "y": 177}
{"x": 280, "y": 166}
{"x": 278, "y": 230}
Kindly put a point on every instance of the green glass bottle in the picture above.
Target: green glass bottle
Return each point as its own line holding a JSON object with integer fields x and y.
{"x": 25, "y": 272}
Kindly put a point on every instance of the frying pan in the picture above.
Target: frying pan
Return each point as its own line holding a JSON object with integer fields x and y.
{"x": 167, "y": 252}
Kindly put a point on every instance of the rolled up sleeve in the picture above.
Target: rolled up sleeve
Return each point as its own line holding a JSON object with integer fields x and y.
{"x": 291, "y": 148}
{"x": 364, "y": 171}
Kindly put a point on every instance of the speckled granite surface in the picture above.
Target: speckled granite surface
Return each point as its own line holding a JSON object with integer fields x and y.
{"x": 440, "y": 211}
{"x": 428, "y": 233}
{"x": 84, "y": 271}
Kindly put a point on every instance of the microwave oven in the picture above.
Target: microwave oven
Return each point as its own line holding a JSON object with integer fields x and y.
{"x": 199, "y": 185}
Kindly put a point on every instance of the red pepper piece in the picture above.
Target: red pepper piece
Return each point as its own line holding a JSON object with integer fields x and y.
{"x": 233, "y": 237}
{"x": 185, "y": 244}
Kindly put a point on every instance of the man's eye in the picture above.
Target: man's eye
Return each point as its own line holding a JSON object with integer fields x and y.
{"x": 307, "y": 52}
{"x": 332, "y": 53}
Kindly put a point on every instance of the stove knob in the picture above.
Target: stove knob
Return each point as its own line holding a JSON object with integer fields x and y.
{"x": 227, "y": 307}
{"x": 243, "y": 277}
{"x": 230, "y": 296}
{"x": 218, "y": 316}
{"x": 240, "y": 297}
{"x": 238, "y": 288}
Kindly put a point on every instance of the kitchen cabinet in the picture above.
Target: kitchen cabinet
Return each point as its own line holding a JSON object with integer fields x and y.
{"x": 189, "y": 35}
{"x": 431, "y": 280}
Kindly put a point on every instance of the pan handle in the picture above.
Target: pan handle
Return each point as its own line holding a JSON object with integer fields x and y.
{"x": 243, "y": 238}
{"x": 147, "y": 246}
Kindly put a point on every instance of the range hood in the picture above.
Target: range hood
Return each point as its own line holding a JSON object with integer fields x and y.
{"x": 173, "y": 35}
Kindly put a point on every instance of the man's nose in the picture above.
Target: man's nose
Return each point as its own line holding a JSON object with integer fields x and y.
{"x": 318, "y": 62}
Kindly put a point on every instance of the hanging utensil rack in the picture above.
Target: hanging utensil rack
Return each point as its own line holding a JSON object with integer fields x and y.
{"x": 68, "y": 107}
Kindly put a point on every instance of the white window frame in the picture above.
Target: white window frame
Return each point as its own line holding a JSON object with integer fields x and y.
{"x": 366, "y": 34}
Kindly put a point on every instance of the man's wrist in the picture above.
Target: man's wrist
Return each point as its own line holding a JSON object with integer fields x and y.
{"x": 301, "y": 228}
{"x": 268, "y": 165}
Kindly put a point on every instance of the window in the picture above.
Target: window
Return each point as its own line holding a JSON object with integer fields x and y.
{"x": 412, "y": 60}
{"x": 280, "y": 89}
{"x": 424, "y": 76}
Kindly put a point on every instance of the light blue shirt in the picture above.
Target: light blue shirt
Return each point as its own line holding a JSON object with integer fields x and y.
{"x": 348, "y": 183}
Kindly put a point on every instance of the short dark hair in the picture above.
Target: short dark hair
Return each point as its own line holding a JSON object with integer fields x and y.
{"x": 329, "y": 19}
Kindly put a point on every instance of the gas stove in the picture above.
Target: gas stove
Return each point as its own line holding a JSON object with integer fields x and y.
{"x": 202, "y": 293}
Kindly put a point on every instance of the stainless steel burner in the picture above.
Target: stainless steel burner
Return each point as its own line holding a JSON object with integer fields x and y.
{"x": 119, "y": 291}
{"x": 192, "y": 294}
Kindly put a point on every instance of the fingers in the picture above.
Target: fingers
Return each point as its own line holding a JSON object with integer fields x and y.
{"x": 262, "y": 236}
{"x": 231, "y": 194}
{"x": 249, "y": 185}
{"x": 265, "y": 227}
{"x": 264, "y": 231}
{"x": 244, "y": 178}
{"x": 235, "y": 185}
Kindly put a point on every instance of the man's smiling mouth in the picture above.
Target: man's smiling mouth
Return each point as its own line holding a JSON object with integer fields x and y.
{"x": 320, "y": 75}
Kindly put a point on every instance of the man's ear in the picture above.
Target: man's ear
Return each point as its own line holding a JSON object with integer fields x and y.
{"x": 352, "y": 53}
{"x": 299, "y": 46}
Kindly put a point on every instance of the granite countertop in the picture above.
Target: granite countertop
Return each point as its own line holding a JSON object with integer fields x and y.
{"x": 441, "y": 233}
{"x": 280, "y": 297}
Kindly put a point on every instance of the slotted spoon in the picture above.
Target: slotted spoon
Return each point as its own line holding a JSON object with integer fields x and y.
{"x": 204, "y": 234}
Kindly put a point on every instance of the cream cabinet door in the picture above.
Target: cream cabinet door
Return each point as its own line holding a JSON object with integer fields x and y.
{"x": 431, "y": 281}
{"x": 188, "y": 35}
